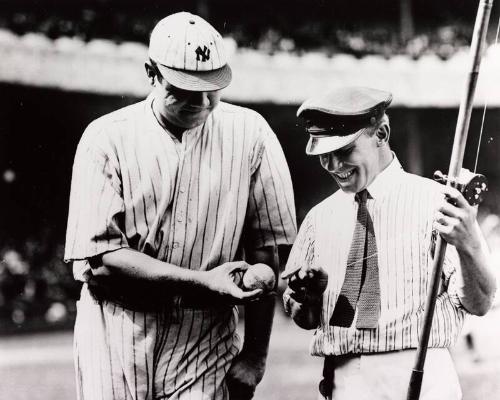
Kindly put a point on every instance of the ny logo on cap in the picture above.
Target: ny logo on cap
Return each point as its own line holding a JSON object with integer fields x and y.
{"x": 202, "y": 54}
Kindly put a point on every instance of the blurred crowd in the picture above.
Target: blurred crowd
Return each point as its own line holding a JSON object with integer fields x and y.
{"x": 36, "y": 287}
{"x": 442, "y": 41}
{"x": 319, "y": 35}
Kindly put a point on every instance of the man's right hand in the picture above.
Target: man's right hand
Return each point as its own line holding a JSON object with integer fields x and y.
{"x": 221, "y": 281}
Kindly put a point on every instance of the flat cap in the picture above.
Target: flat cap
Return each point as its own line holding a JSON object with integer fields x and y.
{"x": 339, "y": 117}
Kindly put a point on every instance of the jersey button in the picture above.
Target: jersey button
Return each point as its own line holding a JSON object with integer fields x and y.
{"x": 175, "y": 245}
{"x": 182, "y": 189}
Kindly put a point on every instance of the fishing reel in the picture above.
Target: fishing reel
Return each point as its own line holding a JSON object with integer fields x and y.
{"x": 471, "y": 185}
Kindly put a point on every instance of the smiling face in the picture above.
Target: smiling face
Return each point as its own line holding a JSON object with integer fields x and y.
{"x": 356, "y": 165}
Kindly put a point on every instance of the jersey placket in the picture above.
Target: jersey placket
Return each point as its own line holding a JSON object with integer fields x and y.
{"x": 180, "y": 206}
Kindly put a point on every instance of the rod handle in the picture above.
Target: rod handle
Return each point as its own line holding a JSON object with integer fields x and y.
{"x": 415, "y": 384}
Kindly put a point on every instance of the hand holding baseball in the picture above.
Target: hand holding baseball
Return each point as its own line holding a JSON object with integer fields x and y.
{"x": 223, "y": 281}
{"x": 257, "y": 276}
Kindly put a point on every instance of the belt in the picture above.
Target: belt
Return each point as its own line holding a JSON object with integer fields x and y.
{"x": 148, "y": 296}
{"x": 327, "y": 384}
{"x": 136, "y": 296}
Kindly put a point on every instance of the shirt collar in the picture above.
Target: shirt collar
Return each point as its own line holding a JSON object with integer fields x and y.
{"x": 385, "y": 179}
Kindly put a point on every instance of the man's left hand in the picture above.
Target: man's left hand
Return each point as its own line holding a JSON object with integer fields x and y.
{"x": 244, "y": 375}
{"x": 456, "y": 221}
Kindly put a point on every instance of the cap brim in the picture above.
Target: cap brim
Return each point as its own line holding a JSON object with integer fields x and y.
{"x": 325, "y": 144}
{"x": 197, "y": 81}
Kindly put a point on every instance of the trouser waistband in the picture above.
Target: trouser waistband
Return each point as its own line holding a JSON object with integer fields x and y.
{"x": 147, "y": 297}
{"x": 387, "y": 375}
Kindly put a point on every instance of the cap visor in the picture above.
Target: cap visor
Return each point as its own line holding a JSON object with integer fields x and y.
{"x": 197, "y": 81}
{"x": 325, "y": 144}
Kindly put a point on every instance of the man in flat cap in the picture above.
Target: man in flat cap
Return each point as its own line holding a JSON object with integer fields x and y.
{"x": 372, "y": 243}
{"x": 170, "y": 198}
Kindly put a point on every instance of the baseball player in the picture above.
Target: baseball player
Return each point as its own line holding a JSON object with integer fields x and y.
{"x": 168, "y": 197}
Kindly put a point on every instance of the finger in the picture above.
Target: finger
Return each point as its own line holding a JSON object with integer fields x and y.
{"x": 289, "y": 272}
{"x": 450, "y": 222}
{"x": 260, "y": 296}
{"x": 253, "y": 294}
{"x": 295, "y": 283}
{"x": 444, "y": 230}
{"x": 286, "y": 274}
{"x": 240, "y": 266}
{"x": 454, "y": 196}
{"x": 443, "y": 219}
{"x": 450, "y": 210}
{"x": 306, "y": 273}
{"x": 298, "y": 295}
{"x": 298, "y": 272}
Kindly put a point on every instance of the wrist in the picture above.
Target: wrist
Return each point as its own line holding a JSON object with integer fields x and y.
{"x": 471, "y": 248}
{"x": 198, "y": 279}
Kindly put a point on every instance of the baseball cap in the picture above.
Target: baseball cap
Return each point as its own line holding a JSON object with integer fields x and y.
{"x": 189, "y": 53}
{"x": 339, "y": 117}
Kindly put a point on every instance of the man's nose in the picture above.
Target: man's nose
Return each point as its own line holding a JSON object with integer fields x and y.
{"x": 333, "y": 162}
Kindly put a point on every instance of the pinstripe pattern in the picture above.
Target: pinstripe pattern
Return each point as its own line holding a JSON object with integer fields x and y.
{"x": 131, "y": 361}
{"x": 183, "y": 203}
{"x": 402, "y": 211}
{"x": 192, "y": 204}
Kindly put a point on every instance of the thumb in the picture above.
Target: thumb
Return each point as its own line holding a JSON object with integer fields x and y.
{"x": 240, "y": 266}
{"x": 289, "y": 272}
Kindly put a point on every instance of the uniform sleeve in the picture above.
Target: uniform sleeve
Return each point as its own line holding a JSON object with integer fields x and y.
{"x": 450, "y": 264}
{"x": 271, "y": 207}
{"x": 95, "y": 220}
{"x": 451, "y": 260}
{"x": 302, "y": 253}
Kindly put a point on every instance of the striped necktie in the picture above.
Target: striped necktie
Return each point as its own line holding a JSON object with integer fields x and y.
{"x": 361, "y": 287}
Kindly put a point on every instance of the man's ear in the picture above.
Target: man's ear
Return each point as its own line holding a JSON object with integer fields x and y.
{"x": 150, "y": 72}
{"x": 383, "y": 134}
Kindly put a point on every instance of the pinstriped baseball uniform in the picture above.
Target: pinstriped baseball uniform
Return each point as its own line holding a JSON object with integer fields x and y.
{"x": 402, "y": 210}
{"x": 192, "y": 204}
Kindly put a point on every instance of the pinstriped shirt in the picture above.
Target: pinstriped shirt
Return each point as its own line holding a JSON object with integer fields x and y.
{"x": 192, "y": 203}
{"x": 402, "y": 207}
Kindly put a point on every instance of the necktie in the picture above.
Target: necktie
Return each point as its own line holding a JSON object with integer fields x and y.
{"x": 361, "y": 287}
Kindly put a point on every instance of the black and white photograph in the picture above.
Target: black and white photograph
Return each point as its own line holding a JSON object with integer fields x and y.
{"x": 237, "y": 200}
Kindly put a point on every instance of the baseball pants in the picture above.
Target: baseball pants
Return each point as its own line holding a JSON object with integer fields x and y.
{"x": 177, "y": 353}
